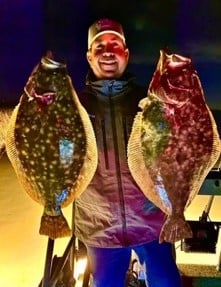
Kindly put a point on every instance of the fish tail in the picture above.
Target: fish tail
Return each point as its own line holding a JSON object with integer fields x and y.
{"x": 54, "y": 226}
{"x": 174, "y": 229}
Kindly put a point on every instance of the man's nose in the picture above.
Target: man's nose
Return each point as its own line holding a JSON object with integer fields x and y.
{"x": 108, "y": 50}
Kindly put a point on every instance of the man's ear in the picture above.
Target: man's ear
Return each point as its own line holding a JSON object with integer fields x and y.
{"x": 127, "y": 53}
{"x": 88, "y": 56}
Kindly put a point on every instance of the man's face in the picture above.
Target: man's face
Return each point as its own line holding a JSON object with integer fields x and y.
{"x": 108, "y": 57}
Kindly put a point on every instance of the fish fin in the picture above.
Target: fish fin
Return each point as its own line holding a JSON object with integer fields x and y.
{"x": 174, "y": 229}
{"x": 54, "y": 226}
{"x": 138, "y": 168}
{"x": 143, "y": 103}
{"x": 5, "y": 115}
{"x": 2, "y": 150}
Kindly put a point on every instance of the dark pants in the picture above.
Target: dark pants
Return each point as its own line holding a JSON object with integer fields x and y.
{"x": 109, "y": 265}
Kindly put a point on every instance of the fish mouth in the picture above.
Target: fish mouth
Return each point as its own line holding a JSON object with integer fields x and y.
{"x": 40, "y": 90}
{"x": 181, "y": 88}
{"x": 45, "y": 97}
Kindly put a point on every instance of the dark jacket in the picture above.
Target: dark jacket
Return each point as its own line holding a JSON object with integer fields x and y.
{"x": 113, "y": 212}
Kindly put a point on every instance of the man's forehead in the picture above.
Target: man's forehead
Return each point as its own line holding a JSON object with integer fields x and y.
{"x": 109, "y": 37}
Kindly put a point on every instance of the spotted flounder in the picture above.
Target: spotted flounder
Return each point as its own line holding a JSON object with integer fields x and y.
{"x": 51, "y": 143}
{"x": 174, "y": 142}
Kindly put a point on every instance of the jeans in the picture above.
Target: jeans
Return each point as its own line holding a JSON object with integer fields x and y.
{"x": 109, "y": 265}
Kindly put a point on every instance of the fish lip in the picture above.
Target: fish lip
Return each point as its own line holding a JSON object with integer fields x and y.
{"x": 183, "y": 88}
{"x": 48, "y": 97}
{"x": 39, "y": 90}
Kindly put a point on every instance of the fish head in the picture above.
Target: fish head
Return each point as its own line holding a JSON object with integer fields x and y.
{"x": 174, "y": 79}
{"x": 47, "y": 79}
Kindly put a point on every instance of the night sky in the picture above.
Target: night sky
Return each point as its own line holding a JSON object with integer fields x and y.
{"x": 29, "y": 28}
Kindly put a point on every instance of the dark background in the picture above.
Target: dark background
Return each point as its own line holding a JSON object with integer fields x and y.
{"x": 28, "y": 28}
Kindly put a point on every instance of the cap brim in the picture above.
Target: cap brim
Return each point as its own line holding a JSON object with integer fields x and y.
{"x": 106, "y": 32}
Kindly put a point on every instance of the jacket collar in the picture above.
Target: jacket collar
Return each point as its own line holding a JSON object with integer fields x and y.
{"x": 109, "y": 87}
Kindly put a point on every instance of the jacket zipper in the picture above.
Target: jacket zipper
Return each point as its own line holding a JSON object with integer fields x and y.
{"x": 103, "y": 129}
{"x": 117, "y": 164}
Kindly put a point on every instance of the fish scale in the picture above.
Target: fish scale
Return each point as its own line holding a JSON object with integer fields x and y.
{"x": 174, "y": 142}
{"x": 51, "y": 144}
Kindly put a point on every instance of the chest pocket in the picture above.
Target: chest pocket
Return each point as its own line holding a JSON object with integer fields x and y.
{"x": 112, "y": 143}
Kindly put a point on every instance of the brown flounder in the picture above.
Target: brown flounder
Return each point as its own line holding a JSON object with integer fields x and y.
{"x": 174, "y": 142}
{"x": 51, "y": 144}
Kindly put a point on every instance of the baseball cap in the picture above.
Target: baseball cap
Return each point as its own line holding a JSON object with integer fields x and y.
{"x": 104, "y": 26}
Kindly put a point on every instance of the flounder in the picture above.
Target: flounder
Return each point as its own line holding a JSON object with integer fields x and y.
{"x": 51, "y": 143}
{"x": 174, "y": 142}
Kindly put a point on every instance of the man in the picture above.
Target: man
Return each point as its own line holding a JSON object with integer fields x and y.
{"x": 113, "y": 217}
